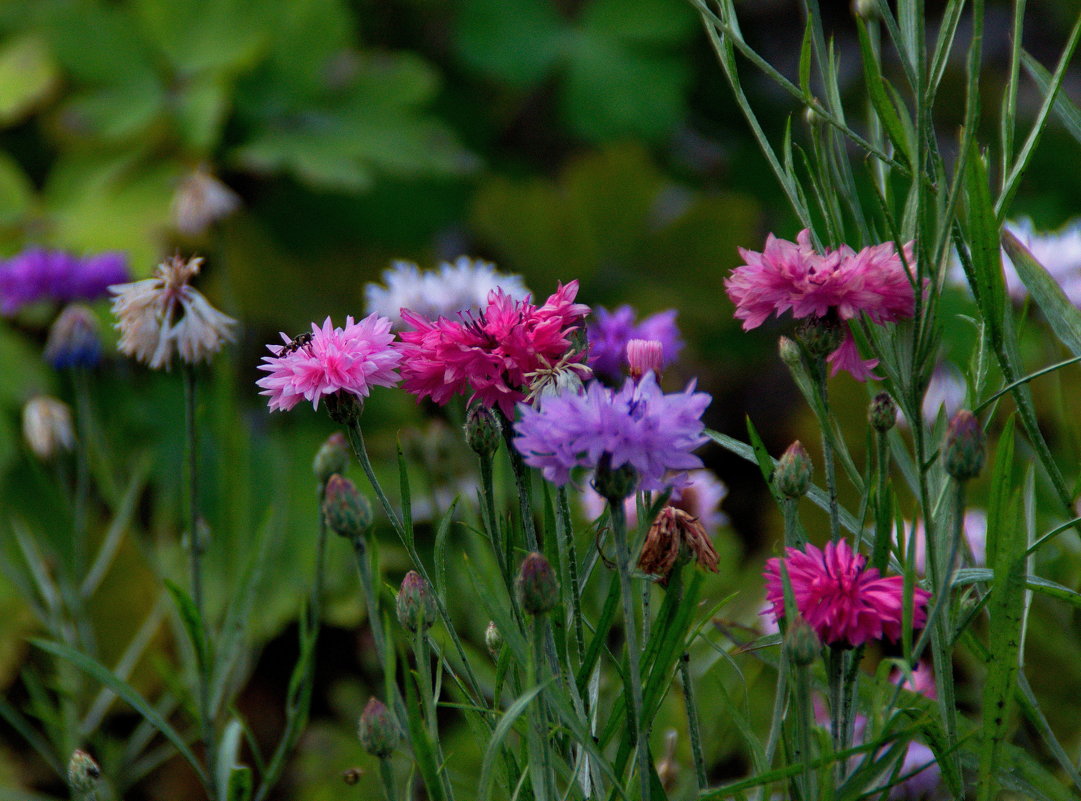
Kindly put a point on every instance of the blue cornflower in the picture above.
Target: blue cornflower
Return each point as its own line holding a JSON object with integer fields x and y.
{"x": 637, "y": 426}
{"x": 74, "y": 339}
{"x": 610, "y": 332}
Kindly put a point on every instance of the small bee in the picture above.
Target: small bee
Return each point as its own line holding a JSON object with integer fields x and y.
{"x": 352, "y": 775}
{"x": 296, "y": 343}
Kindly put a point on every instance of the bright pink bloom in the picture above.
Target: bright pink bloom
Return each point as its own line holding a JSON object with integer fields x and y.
{"x": 844, "y": 602}
{"x": 490, "y": 355}
{"x": 792, "y": 276}
{"x": 352, "y": 359}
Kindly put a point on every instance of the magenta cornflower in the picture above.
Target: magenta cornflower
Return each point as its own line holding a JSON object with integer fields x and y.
{"x": 792, "y": 276}
{"x": 845, "y": 602}
{"x": 490, "y": 355}
{"x": 637, "y": 425}
{"x": 352, "y": 359}
{"x": 610, "y": 332}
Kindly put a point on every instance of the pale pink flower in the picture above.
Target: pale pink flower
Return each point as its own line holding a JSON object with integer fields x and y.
{"x": 47, "y": 426}
{"x": 352, "y": 359}
{"x": 845, "y": 602}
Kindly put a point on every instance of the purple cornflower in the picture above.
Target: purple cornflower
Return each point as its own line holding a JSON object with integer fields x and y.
{"x": 637, "y": 425}
{"x": 52, "y": 275}
{"x": 610, "y": 332}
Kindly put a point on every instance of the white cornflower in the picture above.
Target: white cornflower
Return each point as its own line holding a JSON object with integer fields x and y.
{"x": 459, "y": 287}
{"x": 163, "y": 314}
{"x": 47, "y": 426}
{"x": 200, "y": 201}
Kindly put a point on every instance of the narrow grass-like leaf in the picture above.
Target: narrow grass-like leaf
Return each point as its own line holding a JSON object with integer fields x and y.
{"x": 805, "y": 60}
{"x": 1066, "y": 109}
{"x": 1063, "y": 317}
{"x": 193, "y": 624}
{"x": 499, "y": 734}
{"x": 879, "y": 97}
{"x": 407, "y": 504}
{"x": 424, "y": 750}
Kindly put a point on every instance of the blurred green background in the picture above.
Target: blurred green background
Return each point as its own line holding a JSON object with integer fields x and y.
{"x": 591, "y": 140}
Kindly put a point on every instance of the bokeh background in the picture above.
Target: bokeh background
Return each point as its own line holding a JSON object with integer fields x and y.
{"x": 561, "y": 139}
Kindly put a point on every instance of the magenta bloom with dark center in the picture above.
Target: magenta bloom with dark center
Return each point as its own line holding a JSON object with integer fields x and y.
{"x": 845, "y": 602}
{"x": 352, "y": 359}
{"x": 490, "y": 355}
{"x": 793, "y": 276}
{"x": 610, "y": 332}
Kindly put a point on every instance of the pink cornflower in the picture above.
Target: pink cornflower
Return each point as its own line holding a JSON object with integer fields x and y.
{"x": 492, "y": 354}
{"x": 845, "y": 602}
{"x": 792, "y": 276}
{"x": 352, "y": 359}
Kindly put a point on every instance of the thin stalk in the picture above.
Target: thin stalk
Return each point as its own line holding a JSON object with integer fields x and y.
{"x": 315, "y": 607}
{"x": 793, "y": 535}
{"x": 675, "y": 586}
{"x": 371, "y": 599}
{"x": 386, "y": 772}
{"x": 522, "y": 484}
{"x": 538, "y": 741}
{"x": 835, "y": 674}
{"x": 566, "y": 534}
{"x": 822, "y": 411}
{"x": 880, "y": 553}
{"x": 623, "y": 565}
{"x": 496, "y": 532}
{"x": 802, "y": 744}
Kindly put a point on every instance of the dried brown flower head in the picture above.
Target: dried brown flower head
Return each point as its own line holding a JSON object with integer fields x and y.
{"x": 676, "y": 535}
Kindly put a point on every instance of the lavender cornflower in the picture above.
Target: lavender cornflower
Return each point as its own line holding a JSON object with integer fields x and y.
{"x": 52, "y": 275}
{"x": 637, "y": 426}
{"x": 610, "y": 332}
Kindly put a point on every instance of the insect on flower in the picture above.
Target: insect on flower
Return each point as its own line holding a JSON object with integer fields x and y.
{"x": 296, "y": 343}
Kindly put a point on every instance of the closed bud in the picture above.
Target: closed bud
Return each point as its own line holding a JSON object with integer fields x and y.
{"x": 493, "y": 639}
{"x": 801, "y": 644}
{"x": 643, "y": 356}
{"x": 882, "y": 413}
{"x": 614, "y": 483}
{"x": 789, "y": 351}
{"x": 83, "y": 772}
{"x": 47, "y": 426}
{"x": 377, "y": 730}
{"x": 483, "y": 432}
{"x": 538, "y": 590}
{"x": 793, "y": 473}
{"x": 345, "y": 510}
{"x": 417, "y": 609}
{"x": 965, "y": 443}
{"x": 74, "y": 339}
{"x": 332, "y": 457}
{"x": 821, "y": 336}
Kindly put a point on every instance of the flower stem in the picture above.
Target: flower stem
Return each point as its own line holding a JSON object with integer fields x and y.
{"x": 623, "y": 564}
{"x": 675, "y": 586}
{"x": 539, "y": 744}
{"x": 802, "y": 744}
{"x": 566, "y": 536}
{"x": 881, "y": 550}
{"x": 835, "y": 674}
{"x": 496, "y": 532}
{"x": 822, "y": 411}
{"x": 386, "y": 772}
{"x": 371, "y": 599}
{"x": 522, "y": 484}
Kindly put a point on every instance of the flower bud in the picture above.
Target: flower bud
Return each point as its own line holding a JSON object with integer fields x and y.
{"x": 789, "y": 351}
{"x": 964, "y": 446}
{"x": 346, "y": 511}
{"x": 614, "y": 484}
{"x": 74, "y": 339}
{"x": 801, "y": 643}
{"x": 793, "y": 473}
{"x": 83, "y": 772}
{"x": 377, "y": 730}
{"x": 493, "y": 639}
{"x": 344, "y": 407}
{"x": 882, "y": 413}
{"x": 332, "y": 457}
{"x": 821, "y": 336}
{"x": 538, "y": 590}
{"x": 643, "y": 356}
{"x": 483, "y": 432}
{"x": 417, "y": 609}
{"x": 47, "y": 426}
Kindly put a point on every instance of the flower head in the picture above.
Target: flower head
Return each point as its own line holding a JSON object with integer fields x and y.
{"x": 491, "y": 355}
{"x": 164, "y": 314}
{"x": 792, "y": 276}
{"x": 201, "y": 200}
{"x": 47, "y": 426}
{"x": 52, "y": 275}
{"x": 74, "y": 340}
{"x": 675, "y": 535}
{"x": 463, "y": 287}
{"x": 352, "y": 360}
{"x": 845, "y": 602}
{"x": 610, "y": 332}
{"x": 637, "y": 426}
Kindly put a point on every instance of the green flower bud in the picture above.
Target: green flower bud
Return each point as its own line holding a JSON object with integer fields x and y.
{"x": 538, "y": 589}
{"x": 801, "y": 643}
{"x": 483, "y": 432}
{"x": 882, "y": 413}
{"x": 614, "y": 484}
{"x": 346, "y": 511}
{"x": 793, "y": 474}
{"x": 965, "y": 446}
{"x": 332, "y": 457}
{"x": 493, "y": 639}
{"x": 821, "y": 336}
{"x": 83, "y": 772}
{"x": 417, "y": 609}
{"x": 377, "y": 730}
{"x": 789, "y": 351}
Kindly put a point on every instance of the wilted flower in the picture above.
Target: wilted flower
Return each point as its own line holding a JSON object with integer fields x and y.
{"x": 675, "y": 534}
{"x": 637, "y": 426}
{"x": 201, "y": 200}
{"x": 163, "y": 314}
{"x": 74, "y": 339}
{"x": 348, "y": 360}
{"x": 845, "y": 602}
{"x": 792, "y": 276}
{"x": 47, "y": 426}
{"x": 610, "y": 332}
{"x": 52, "y": 275}
{"x": 461, "y": 287}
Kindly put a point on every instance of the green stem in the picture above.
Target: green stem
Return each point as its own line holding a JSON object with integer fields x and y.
{"x": 496, "y": 532}
{"x": 386, "y": 772}
{"x": 675, "y": 586}
{"x": 566, "y": 536}
{"x": 835, "y": 675}
{"x": 822, "y": 411}
{"x": 802, "y": 745}
{"x": 540, "y": 760}
{"x": 881, "y": 551}
{"x": 623, "y": 565}
{"x": 793, "y": 534}
{"x": 522, "y": 484}
{"x": 371, "y": 599}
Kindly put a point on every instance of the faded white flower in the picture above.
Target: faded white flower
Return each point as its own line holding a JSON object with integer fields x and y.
{"x": 459, "y": 287}
{"x": 201, "y": 200}
{"x": 165, "y": 314}
{"x": 47, "y": 426}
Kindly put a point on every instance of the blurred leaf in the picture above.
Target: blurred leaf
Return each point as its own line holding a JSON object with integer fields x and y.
{"x": 646, "y": 22}
{"x": 201, "y": 110}
{"x": 28, "y": 76}
{"x": 516, "y": 41}
{"x": 97, "y": 44}
{"x": 113, "y": 113}
{"x": 16, "y": 191}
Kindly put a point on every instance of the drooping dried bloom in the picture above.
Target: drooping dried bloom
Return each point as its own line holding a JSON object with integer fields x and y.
{"x": 845, "y": 602}
{"x": 47, "y": 426}
{"x": 201, "y": 200}
{"x": 637, "y": 426}
{"x": 675, "y": 534}
{"x": 462, "y": 287}
{"x": 792, "y": 276}
{"x": 610, "y": 332}
{"x": 54, "y": 276}
{"x": 491, "y": 355}
{"x": 163, "y": 315}
{"x": 74, "y": 339}
{"x": 348, "y": 360}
